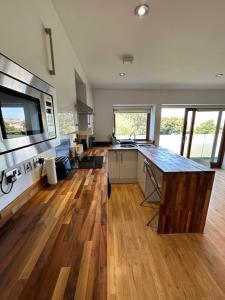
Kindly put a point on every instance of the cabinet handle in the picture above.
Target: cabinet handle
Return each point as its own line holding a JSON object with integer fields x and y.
{"x": 144, "y": 167}
{"x": 121, "y": 156}
{"x": 48, "y": 31}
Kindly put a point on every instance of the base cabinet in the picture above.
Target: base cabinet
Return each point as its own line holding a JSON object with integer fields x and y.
{"x": 141, "y": 172}
{"x": 122, "y": 166}
{"x": 113, "y": 165}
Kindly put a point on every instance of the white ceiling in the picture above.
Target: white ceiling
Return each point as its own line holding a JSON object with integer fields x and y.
{"x": 180, "y": 44}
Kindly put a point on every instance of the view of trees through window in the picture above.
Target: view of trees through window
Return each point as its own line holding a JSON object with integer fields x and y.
{"x": 130, "y": 122}
{"x": 174, "y": 125}
{"x": 171, "y": 125}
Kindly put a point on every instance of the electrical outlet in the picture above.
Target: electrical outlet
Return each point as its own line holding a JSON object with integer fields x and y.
{"x": 27, "y": 167}
{"x": 36, "y": 162}
{"x": 16, "y": 173}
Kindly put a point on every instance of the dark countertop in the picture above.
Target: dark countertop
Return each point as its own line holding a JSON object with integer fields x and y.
{"x": 167, "y": 161}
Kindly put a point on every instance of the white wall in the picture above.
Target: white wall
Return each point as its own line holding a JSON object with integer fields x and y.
{"x": 24, "y": 41}
{"x": 105, "y": 98}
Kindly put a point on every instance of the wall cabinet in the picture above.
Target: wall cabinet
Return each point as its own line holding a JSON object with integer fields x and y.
{"x": 122, "y": 166}
{"x": 141, "y": 172}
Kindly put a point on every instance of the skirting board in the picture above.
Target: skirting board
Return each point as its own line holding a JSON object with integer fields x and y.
{"x": 9, "y": 211}
{"x": 120, "y": 180}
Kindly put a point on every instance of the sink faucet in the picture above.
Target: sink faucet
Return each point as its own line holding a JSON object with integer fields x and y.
{"x": 133, "y": 133}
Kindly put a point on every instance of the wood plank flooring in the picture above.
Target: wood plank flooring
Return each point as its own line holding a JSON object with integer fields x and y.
{"x": 144, "y": 265}
{"x": 55, "y": 247}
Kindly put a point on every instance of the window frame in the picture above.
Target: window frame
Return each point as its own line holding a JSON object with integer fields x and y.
{"x": 147, "y": 138}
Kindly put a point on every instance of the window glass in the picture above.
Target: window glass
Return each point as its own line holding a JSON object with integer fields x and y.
{"x": 172, "y": 120}
{"x": 127, "y": 123}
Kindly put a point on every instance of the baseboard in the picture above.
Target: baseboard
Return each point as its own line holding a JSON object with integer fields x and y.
{"x": 9, "y": 211}
{"x": 124, "y": 180}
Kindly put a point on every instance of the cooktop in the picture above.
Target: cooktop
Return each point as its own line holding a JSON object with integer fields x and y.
{"x": 91, "y": 162}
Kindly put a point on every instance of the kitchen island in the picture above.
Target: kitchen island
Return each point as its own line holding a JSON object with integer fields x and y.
{"x": 185, "y": 190}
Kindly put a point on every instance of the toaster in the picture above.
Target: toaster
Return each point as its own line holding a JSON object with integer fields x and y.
{"x": 63, "y": 167}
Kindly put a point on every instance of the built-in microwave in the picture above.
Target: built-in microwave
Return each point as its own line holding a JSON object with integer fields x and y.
{"x": 27, "y": 119}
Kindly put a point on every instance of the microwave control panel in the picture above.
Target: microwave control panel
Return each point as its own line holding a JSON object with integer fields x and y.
{"x": 49, "y": 110}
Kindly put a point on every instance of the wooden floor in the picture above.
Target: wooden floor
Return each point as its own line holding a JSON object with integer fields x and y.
{"x": 56, "y": 246}
{"x": 144, "y": 265}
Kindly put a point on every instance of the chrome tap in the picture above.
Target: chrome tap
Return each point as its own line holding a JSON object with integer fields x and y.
{"x": 133, "y": 133}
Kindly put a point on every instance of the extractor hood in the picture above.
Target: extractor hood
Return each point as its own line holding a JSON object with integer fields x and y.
{"x": 83, "y": 108}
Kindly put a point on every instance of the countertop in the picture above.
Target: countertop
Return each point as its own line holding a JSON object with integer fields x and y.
{"x": 59, "y": 236}
{"x": 166, "y": 161}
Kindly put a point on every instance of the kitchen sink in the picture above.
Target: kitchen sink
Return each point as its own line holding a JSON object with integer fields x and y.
{"x": 127, "y": 145}
{"x": 146, "y": 145}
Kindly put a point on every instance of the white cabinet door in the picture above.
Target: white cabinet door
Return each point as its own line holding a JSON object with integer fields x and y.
{"x": 128, "y": 164}
{"x": 141, "y": 172}
{"x": 114, "y": 164}
{"x": 139, "y": 169}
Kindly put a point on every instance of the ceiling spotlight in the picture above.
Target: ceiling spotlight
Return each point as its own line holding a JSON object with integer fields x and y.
{"x": 141, "y": 10}
{"x": 219, "y": 75}
{"x": 122, "y": 74}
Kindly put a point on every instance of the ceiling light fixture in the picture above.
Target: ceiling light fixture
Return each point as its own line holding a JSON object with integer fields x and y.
{"x": 219, "y": 75}
{"x": 122, "y": 74}
{"x": 141, "y": 10}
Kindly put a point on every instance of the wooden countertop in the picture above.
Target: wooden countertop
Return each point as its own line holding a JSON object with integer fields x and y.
{"x": 56, "y": 245}
{"x": 167, "y": 161}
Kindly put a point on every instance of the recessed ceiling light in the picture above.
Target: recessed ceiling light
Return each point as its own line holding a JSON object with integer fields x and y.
{"x": 122, "y": 74}
{"x": 219, "y": 75}
{"x": 141, "y": 10}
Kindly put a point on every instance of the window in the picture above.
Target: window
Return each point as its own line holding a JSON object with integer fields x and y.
{"x": 129, "y": 122}
{"x": 172, "y": 120}
{"x": 194, "y": 132}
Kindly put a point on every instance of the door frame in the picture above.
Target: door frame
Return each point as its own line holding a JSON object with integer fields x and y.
{"x": 221, "y": 154}
{"x": 187, "y": 110}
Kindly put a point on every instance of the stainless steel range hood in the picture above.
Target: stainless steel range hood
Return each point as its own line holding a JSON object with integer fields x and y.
{"x": 83, "y": 108}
